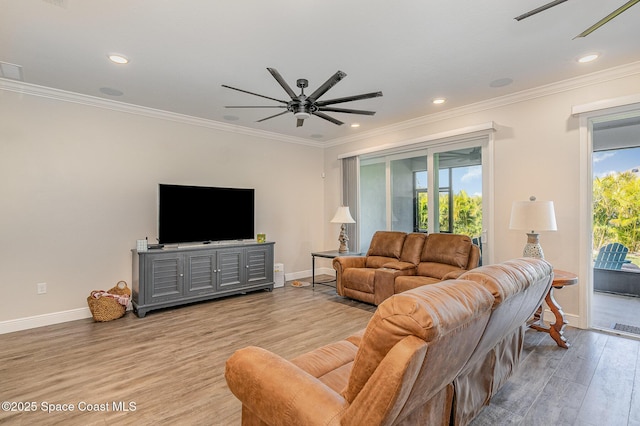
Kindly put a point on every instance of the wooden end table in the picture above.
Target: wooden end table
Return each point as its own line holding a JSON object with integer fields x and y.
{"x": 331, "y": 254}
{"x": 556, "y": 330}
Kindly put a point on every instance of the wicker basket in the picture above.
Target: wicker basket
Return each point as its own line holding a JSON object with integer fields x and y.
{"x": 109, "y": 305}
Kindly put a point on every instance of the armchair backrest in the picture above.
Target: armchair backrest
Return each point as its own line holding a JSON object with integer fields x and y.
{"x": 405, "y": 357}
{"x": 386, "y": 246}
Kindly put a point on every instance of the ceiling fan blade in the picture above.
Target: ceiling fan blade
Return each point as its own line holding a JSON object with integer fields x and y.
{"x": 282, "y": 83}
{"x": 347, "y": 111}
{"x": 326, "y": 117}
{"x": 332, "y": 81}
{"x": 349, "y": 98}
{"x": 300, "y": 122}
{"x": 272, "y": 116}
{"x": 539, "y": 9}
{"x": 255, "y": 94}
{"x": 607, "y": 18}
{"x": 255, "y": 106}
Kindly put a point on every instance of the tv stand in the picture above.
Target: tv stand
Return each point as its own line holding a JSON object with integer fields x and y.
{"x": 177, "y": 276}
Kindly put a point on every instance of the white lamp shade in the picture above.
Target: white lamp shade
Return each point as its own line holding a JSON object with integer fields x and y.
{"x": 342, "y": 216}
{"x": 533, "y": 216}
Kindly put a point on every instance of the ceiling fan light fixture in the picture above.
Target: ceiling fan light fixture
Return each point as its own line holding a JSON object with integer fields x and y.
{"x": 301, "y": 115}
{"x": 588, "y": 58}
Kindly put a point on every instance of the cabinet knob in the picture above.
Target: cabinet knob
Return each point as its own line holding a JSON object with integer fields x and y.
{"x": 182, "y": 275}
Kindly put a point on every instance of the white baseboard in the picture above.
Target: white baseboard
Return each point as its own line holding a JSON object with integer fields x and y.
{"x": 42, "y": 320}
{"x": 81, "y": 313}
{"x": 307, "y": 273}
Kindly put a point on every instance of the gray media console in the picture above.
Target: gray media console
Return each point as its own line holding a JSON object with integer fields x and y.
{"x": 176, "y": 276}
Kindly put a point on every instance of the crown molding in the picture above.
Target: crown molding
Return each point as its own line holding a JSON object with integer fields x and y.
{"x": 93, "y": 101}
{"x": 522, "y": 96}
{"x": 525, "y": 95}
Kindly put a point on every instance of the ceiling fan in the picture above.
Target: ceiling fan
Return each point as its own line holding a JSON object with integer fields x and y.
{"x": 589, "y": 30}
{"x": 303, "y": 106}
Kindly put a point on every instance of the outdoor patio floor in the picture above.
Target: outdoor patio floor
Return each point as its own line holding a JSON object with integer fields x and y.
{"x": 609, "y": 309}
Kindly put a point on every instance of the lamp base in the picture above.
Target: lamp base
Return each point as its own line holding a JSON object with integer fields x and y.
{"x": 344, "y": 239}
{"x": 533, "y": 248}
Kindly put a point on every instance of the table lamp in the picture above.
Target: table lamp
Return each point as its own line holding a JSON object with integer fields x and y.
{"x": 533, "y": 216}
{"x": 343, "y": 216}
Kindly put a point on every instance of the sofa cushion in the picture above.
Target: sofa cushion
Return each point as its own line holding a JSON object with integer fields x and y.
{"x": 437, "y": 270}
{"x": 449, "y": 249}
{"x": 331, "y": 363}
{"x": 405, "y": 283}
{"x": 379, "y": 261}
{"x": 387, "y": 244}
{"x": 360, "y": 279}
{"x": 412, "y": 247}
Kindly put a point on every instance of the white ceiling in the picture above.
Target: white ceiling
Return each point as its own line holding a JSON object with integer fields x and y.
{"x": 182, "y": 51}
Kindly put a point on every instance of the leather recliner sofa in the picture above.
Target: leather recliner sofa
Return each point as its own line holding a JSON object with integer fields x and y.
{"x": 433, "y": 355}
{"x": 397, "y": 261}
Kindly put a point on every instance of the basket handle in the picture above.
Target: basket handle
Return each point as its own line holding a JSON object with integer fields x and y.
{"x": 121, "y": 284}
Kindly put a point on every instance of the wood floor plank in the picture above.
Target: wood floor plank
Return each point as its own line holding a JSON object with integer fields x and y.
{"x": 171, "y": 364}
{"x": 608, "y": 399}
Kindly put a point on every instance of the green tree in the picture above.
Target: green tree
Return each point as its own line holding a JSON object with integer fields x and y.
{"x": 616, "y": 210}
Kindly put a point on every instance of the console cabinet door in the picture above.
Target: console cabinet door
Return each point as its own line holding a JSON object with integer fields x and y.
{"x": 201, "y": 274}
{"x": 167, "y": 277}
{"x": 259, "y": 265}
{"x": 230, "y": 268}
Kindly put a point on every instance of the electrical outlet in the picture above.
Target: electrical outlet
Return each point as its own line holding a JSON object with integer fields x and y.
{"x": 42, "y": 288}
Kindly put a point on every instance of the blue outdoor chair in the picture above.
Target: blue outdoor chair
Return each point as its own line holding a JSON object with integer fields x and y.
{"x": 611, "y": 256}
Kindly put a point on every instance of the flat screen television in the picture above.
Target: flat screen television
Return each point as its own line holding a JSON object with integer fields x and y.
{"x": 197, "y": 214}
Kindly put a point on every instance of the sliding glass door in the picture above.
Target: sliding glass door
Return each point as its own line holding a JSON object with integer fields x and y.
{"x": 436, "y": 189}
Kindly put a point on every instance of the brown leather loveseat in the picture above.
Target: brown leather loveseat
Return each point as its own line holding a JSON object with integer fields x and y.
{"x": 397, "y": 261}
{"x": 433, "y": 355}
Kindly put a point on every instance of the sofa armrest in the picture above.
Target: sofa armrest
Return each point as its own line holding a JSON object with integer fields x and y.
{"x": 384, "y": 282}
{"x": 279, "y": 392}
{"x": 340, "y": 264}
{"x": 344, "y": 262}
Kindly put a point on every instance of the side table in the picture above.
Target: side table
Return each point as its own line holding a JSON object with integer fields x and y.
{"x": 556, "y": 330}
{"x": 330, "y": 254}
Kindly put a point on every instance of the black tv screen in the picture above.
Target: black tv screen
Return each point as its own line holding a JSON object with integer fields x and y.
{"x": 204, "y": 214}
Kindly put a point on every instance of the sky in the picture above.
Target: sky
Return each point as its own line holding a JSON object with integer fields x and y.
{"x": 604, "y": 163}
{"x": 615, "y": 161}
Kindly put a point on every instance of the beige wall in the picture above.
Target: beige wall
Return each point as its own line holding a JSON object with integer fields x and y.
{"x": 536, "y": 152}
{"x": 78, "y": 186}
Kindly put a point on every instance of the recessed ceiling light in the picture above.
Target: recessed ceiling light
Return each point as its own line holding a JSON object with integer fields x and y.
{"x": 118, "y": 59}
{"x": 588, "y": 58}
{"x": 501, "y": 82}
{"x": 110, "y": 91}
{"x": 354, "y": 125}
{"x": 438, "y": 101}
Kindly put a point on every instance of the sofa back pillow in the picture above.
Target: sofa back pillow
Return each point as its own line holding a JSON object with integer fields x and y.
{"x": 385, "y": 246}
{"x": 448, "y": 249}
{"x": 412, "y": 247}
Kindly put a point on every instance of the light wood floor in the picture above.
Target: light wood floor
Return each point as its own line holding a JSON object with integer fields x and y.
{"x": 170, "y": 364}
